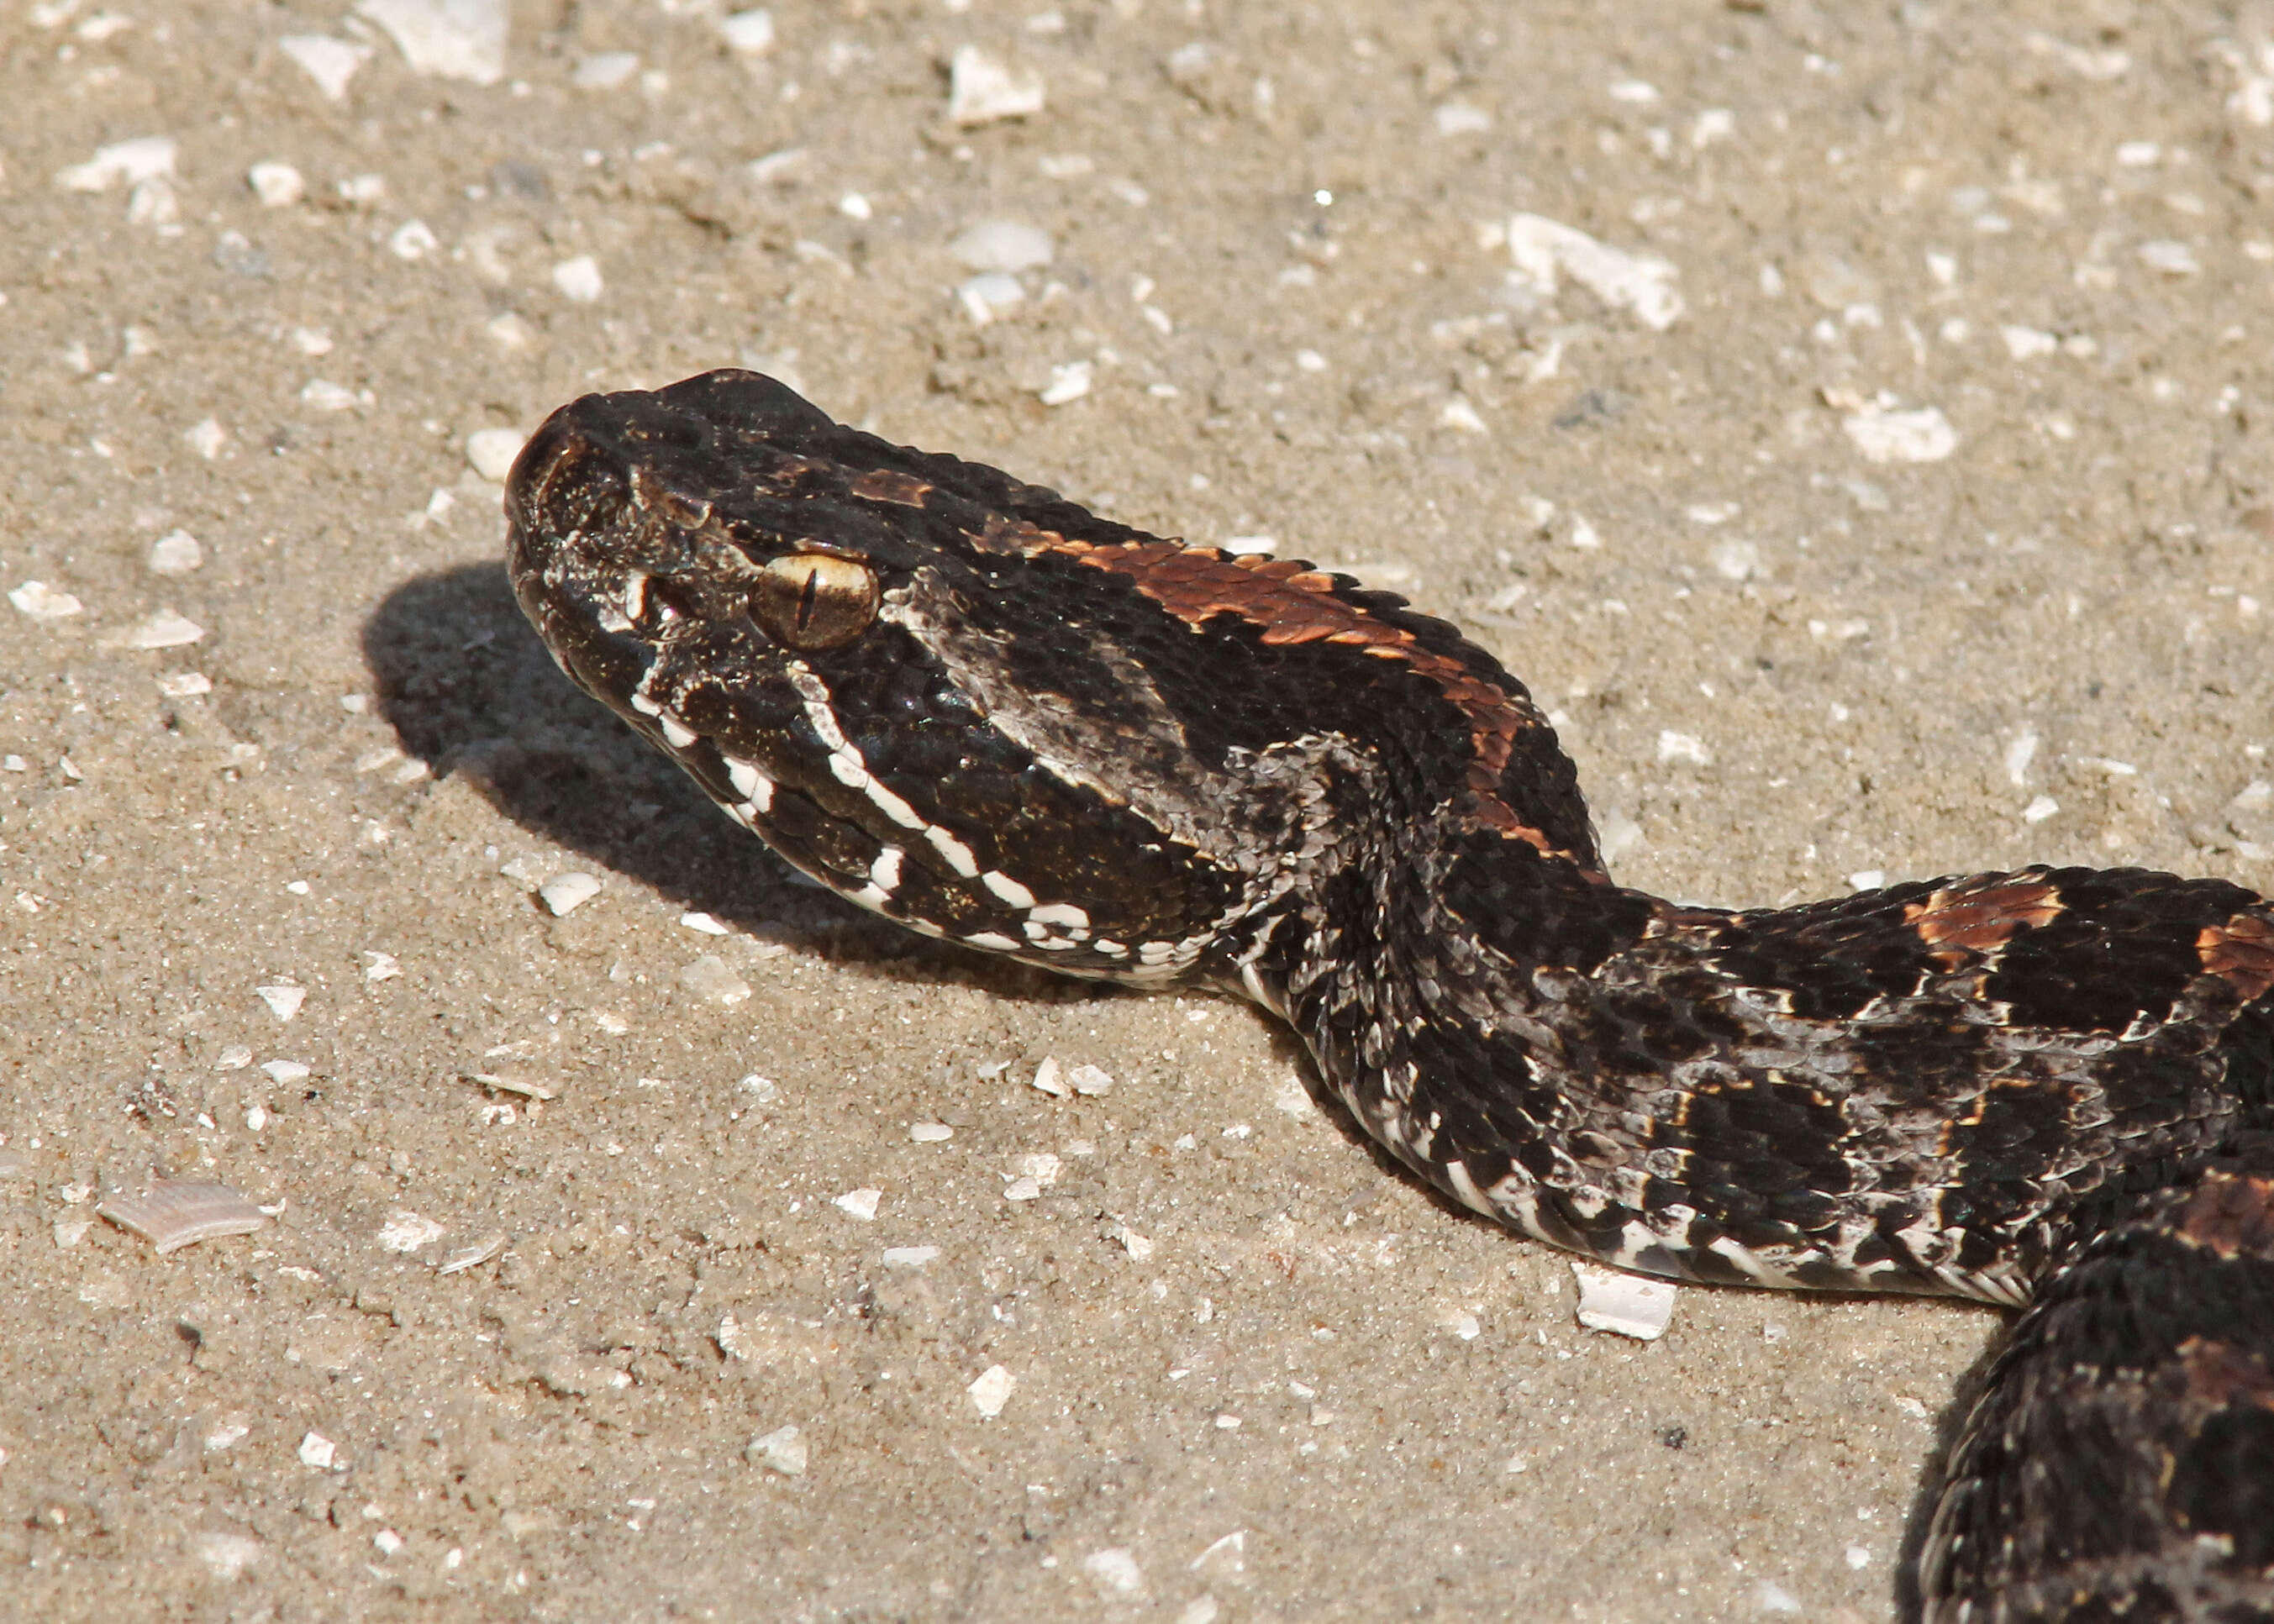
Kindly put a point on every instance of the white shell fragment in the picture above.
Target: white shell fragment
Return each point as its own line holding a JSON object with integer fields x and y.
{"x": 1920, "y": 436}
{"x": 277, "y": 185}
{"x": 1069, "y": 382}
{"x": 331, "y": 63}
{"x": 455, "y": 39}
{"x": 318, "y": 1451}
{"x": 1090, "y": 1081}
{"x": 748, "y": 34}
{"x": 781, "y": 1450}
{"x": 981, "y": 90}
{"x": 990, "y": 1390}
{"x": 1642, "y": 283}
{"x": 178, "y": 1213}
{"x": 1049, "y": 1079}
{"x": 514, "y": 1083}
{"x": 930, "y": 1132}
{"x": 909, "y": 1257}
{"x": 861, "y": 1204}
{"x": 148, "y": 157}
{"x": 564, "y": 893}
{"x": 224, "y": 1554}
{"x": 709, "y": 978}
{"x": 491, "y": 452}
{"x": 472, "y": 1257}
{"x": 284, "y": 1000}
{"x": 1002, "y": 245}
{"x": 579, "y": 279}
{"x": 43, "y": 602}
{"x": 1611, "y": 1300}
{"x": 408, "y": 1231}
{"x": 176, "y": 552}
{"x": 165, "y": 630}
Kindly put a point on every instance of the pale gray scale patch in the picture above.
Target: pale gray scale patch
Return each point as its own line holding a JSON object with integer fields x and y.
{"x": 994, "y": 939}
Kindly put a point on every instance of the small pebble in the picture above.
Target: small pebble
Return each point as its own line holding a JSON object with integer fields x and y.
{"x": 909, "y": 1257}
{"x": 930, "y": 1132}
{"x": 981, "y": 90}
{"x": 323, "y": 394}
{"x": 781, "y": 1450}
{"x": 408, "y": 1231}
{"x": 990, "y": 1390}
{"x": 1068, "y": 383}
{"x": 277, "y": 185}
{"x": 579, "y": 279}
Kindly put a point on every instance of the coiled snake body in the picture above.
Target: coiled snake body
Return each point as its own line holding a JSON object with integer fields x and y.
{"x": 984, "y": 712}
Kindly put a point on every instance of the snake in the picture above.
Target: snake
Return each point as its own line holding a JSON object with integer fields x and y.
{"x": 998, "y": 718}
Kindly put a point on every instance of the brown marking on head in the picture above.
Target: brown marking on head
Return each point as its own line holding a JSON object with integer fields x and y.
{"x": 1980, "y": 916}
{"x": 2230, "y": 1215}
{"x": 2218, "y": 1374}
{"x": 2240, "y": 952}
{"x": 889, "y": 484}
{"x": 1289, "y": 604}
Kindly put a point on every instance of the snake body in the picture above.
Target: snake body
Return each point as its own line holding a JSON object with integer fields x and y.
{"x": 984, "y": 712}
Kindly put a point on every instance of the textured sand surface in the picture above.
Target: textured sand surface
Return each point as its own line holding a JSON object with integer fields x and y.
{"x": 1893, "y": 497}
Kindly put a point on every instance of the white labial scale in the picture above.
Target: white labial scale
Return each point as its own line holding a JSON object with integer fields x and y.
{"x": 958, "y": 854}
{"x": 1008, "y": 889}
{"x": 1457, "y": 1175}
{"x": 639, "y": 702}
{"x": 752, "y": 785}
{"x": 1059, "y": 914}
{"x": 992, "y": 938}
{"x": 677, "y": 733}
{"x": 885, "y": 870}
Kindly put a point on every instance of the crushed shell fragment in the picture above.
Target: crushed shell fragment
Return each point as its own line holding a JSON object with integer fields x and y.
{"x": 176, "y": 1213}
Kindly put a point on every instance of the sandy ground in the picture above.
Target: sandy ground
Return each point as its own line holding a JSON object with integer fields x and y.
{"x": 1895, "y": 499}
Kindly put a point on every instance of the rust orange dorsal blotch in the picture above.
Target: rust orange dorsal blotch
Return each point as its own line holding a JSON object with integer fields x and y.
{"x": 2242, "y": 953}
{"x": 886, "y": 485}
{"x": 1289, "y": 604}
{"x": 2230, "y": 1214}
{"x": 1974, "y": 917}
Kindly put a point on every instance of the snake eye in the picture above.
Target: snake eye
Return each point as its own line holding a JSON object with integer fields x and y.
{"x": 814, "y": 601}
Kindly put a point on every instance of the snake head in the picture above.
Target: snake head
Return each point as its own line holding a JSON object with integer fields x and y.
{"x": 842, "y": 642}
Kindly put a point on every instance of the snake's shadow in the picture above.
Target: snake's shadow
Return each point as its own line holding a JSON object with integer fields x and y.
{"x": 470, "y": 692}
